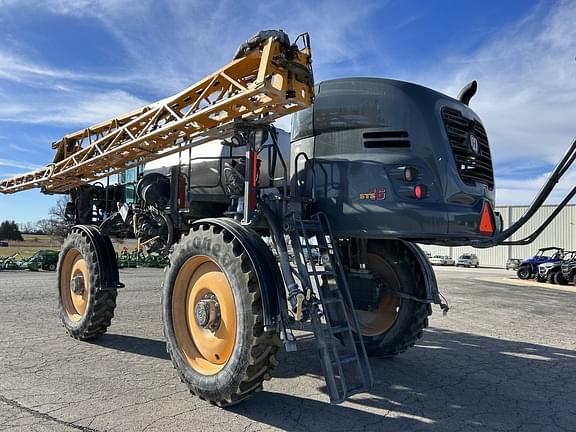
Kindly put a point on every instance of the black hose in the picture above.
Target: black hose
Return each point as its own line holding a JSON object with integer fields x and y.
{"x": 282, "y": 249}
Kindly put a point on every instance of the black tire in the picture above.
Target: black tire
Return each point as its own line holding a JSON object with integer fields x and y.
{"x": 252, "y": 356}
{"x": 95, "y": 319}
{"x": 524, "y": 272}
{"x": 412, "y": 316}
{"x": 559, "y": 278}
{"x": 541, "y": 279}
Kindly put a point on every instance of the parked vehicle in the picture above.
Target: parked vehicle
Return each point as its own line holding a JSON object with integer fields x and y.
{"x": 569, "y": 267}
{"x": 441, "y": 260}
{"x": 42, "y": 260}
{"x": 468, "y": 260}
{"x": 513, "y": 263}
{"x": 529, "y": 268}
{"x": 551, "y": 272}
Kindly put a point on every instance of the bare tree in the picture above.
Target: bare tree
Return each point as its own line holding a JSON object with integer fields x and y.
{"x": 28, "y": 228}
{"x": 56, "y": 225}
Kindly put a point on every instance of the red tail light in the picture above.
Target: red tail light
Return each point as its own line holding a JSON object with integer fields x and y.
{"x": 486, "y": 220}
{"x": 419, "y": 191}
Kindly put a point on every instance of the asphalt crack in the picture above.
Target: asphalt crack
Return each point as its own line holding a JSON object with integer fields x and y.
{"x": 44, "y": 416}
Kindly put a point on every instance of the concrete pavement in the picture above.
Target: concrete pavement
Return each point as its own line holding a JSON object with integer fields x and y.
{"x": 504, "y": 358}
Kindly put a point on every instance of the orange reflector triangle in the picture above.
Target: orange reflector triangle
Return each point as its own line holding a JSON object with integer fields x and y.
{"x": 486, "y": 223}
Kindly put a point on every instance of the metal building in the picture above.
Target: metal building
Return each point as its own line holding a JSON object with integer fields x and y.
{"x": 561, "y": 233}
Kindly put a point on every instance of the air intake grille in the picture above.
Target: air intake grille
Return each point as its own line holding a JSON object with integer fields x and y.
{"x": 386, "y": 139}
{"x": 472, "y": 167}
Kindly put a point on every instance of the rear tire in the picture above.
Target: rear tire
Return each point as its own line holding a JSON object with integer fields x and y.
{"x": 226, "y": 363}
{"x": 559, "y": 278}
{"x": 86, "y": 310}
{"x": 398, "y": 322}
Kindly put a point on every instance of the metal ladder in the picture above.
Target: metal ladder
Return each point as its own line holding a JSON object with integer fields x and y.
{"x": 343, "y": 356}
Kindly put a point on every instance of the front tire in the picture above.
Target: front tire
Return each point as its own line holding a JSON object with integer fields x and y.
{"x": 85, "y": 309}
{"x": 221, "y": 352}
{"x": 524, "y": 273}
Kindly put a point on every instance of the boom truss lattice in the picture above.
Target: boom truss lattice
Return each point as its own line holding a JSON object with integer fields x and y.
{"x": 268, "y": 82}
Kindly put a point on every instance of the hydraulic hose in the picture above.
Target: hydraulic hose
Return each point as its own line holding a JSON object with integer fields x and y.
{"x": 280, "y": 242}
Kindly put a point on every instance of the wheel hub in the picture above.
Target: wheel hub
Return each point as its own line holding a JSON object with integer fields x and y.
{"x": 74, "y": 285}
{"x": 78, "y": 284}
{"x": 207, "y": 312}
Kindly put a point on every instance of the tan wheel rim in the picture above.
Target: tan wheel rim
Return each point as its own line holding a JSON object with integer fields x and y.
{"x": 207, "y": 348}
{"x": 380, "y": 320}
{"x": 74, "y": 285}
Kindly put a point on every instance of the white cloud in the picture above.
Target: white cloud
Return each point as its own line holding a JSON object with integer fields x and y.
{"x": 17, "y": 164}
{"x": 523, "y": 191}
{"x": 77, "y": 108}
{"x": 526, "y": 97}
{"x": 175, "y": 50}
{"x": 527, "y": 85}
{"x": 173, "y": 44}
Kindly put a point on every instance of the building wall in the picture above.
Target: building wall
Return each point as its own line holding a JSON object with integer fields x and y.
{"x": 561, "y": 232}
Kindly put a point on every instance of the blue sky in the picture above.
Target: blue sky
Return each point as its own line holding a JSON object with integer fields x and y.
{"x": 66, "y": 64}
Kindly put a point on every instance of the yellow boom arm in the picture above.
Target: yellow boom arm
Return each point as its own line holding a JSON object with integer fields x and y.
{"x": 266, "y": 83}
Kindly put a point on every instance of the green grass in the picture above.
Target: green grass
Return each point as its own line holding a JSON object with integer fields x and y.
{"x": 33, "y": 243}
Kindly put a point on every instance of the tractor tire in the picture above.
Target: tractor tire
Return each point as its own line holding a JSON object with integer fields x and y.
{"x": 220, "y": 349}
{"x": 397, "y": 323}
{"x": 524, "y": 272}
{"x": 86, "y": 310}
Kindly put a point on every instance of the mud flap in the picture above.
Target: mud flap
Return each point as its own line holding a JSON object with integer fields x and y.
{"x": 107, "y": 265}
